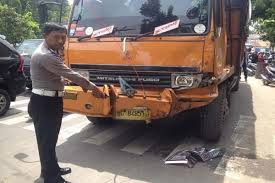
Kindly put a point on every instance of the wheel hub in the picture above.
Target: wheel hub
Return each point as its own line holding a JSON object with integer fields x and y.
{"x": 3, "y": 102}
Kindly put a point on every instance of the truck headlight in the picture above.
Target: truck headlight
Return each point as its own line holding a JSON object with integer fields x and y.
{"x": 186, "y": 81}
{"x": 85, "y": 74}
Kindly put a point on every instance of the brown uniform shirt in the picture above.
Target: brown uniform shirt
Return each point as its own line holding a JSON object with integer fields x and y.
{"x": 48, "y": 71}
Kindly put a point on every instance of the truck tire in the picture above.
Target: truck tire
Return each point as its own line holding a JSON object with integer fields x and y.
{"x": 4, "y": 102}
{"x": 213, "y": 116}
{"x": 237, "y": 85}
{"x": 97, "y": 120}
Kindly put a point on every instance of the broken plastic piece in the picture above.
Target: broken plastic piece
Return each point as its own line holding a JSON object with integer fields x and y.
{"x": 126, "y": 89}
{"x": 190, "y": 158}
{"x": 204, "y": 155}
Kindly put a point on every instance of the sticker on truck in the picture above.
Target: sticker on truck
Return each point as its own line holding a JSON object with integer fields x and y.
{"x": 167, "y": 27}
{"x": 103, "y": 31}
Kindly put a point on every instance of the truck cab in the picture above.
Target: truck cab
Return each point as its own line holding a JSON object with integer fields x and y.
{"x": 155, "y": 59}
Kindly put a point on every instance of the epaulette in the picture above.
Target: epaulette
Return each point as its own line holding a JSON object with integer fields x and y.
{"x": 54, "y": 53}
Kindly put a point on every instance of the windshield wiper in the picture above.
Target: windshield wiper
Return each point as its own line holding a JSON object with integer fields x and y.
{"x": 123, "y": 29}
{"x": 142, "y": 35}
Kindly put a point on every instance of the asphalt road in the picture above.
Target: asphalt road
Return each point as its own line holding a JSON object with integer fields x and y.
{"x": 131, "y": 152}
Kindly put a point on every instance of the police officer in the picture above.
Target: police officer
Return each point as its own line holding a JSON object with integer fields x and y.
{"x": 47, "y": 73}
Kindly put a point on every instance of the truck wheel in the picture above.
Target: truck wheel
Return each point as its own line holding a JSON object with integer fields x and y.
{"x": 213, "y": 116}
{"x": 236, "y": 86}
{"x": 4, "y": 102}
{"x": 30, "y": 110}
{"x": 97, "y": 120}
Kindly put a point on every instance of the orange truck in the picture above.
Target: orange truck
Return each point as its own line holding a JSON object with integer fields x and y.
{"x": 155, "y": 59}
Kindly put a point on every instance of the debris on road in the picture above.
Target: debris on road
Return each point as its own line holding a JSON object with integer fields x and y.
{"x": 190, "y": 158}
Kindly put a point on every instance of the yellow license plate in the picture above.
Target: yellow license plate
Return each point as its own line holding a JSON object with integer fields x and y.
{"x": 134, "y": 114}
{"x": 70, "y": 95}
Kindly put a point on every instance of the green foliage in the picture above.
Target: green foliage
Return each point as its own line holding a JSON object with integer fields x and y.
{"x": 23, "y": 15}
{"x": 261, "y": 8}
{"x": 267, "y": 29}
{"x": 17, "y": 27}
{"x": 264, "y": 17}
{"x": 16, "y": 4}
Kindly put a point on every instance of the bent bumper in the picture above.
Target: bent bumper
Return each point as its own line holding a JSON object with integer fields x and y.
{"x": 161, "y": 103}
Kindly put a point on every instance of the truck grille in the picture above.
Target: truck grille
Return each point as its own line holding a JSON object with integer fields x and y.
{"x": 149, "y": 76}
{"x": 148, "y": 79}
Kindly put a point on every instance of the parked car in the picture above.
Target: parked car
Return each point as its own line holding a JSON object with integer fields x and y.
{"x": 12, "y": 80}
{"x": 26, "y": 50}
{"x": 2, "y": 36}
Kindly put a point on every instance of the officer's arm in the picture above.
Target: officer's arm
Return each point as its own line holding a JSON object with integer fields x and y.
{"x": 57, "y": 66}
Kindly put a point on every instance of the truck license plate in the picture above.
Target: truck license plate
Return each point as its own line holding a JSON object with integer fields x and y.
{"x": 139, "y": 113}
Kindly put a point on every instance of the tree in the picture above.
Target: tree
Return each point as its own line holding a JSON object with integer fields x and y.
{"x": 52, "y": 11}
{"x": 16, "y": 4}
{"x": 17, "y": 27}
{"x": 264, "y": 18}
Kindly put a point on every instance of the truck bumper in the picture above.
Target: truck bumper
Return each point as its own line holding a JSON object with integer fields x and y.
{"x": 161, "y": 103}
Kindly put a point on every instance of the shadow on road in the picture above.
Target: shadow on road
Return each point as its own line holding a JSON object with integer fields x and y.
{"x": 238, "y": 139}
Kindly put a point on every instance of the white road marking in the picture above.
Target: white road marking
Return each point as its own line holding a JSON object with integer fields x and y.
{"x": 107, "y": 135}
{"x": 141, "y": 144}
{"x": 64, "y": 119}
{"x": 29, "y": 127}
{"x": 228, "y": 166}
{"x": 70, "y": 131}
{"x": 16, "y": 120}
{"x": 71, "y": 116}
{"x": 24, "y": 109}
{"x": 20, "y": 102}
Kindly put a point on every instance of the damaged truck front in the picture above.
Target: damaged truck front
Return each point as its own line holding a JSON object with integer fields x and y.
{"x": 156, "y": 58}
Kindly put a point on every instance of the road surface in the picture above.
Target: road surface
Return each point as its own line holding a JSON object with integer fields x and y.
{"x": 128, "y": 152}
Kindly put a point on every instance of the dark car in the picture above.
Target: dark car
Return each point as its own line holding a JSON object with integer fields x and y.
{"x": 12, "y": 79}
{"x": 26, "y": 50}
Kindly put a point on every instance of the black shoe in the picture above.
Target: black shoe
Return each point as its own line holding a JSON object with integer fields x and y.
{"x": 62, "y": 171}
{"x": 65, "y": 171}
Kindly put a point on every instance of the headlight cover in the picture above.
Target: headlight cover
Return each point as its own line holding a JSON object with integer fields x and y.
{"x": 185, "y": 81}
{"x": 84, "y": 73}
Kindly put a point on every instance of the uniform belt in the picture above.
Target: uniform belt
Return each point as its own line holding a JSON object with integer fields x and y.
{"x": 48, "y": 93}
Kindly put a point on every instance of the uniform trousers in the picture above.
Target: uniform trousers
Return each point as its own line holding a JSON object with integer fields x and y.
{"x": 47, "y": 113}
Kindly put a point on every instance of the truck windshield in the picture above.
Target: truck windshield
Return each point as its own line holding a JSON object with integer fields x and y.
{"x": 140, "y": 16}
